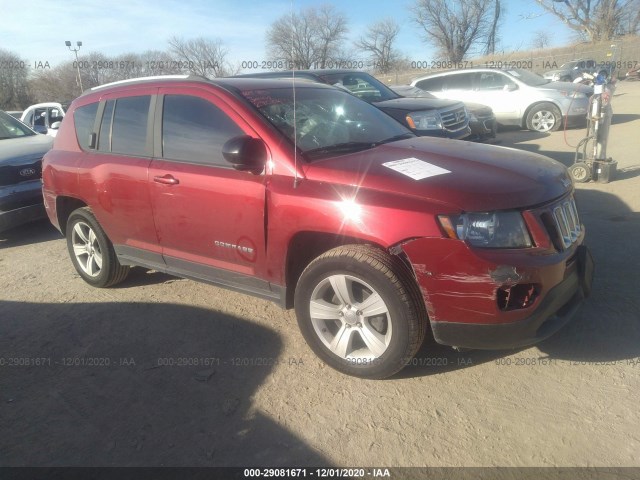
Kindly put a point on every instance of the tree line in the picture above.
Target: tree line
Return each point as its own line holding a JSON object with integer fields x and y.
{"x": 316, "y": 37}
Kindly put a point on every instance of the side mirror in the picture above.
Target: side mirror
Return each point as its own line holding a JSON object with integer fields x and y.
{"x": 55, "y": 125}
{"x": 245, "y": 153}
{"x": 510, "y": 87}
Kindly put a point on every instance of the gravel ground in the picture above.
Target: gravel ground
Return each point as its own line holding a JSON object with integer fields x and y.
{"x": 165, "y": 371}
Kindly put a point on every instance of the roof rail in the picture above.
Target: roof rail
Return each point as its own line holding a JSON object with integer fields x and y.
{"x": 139, "y": 79}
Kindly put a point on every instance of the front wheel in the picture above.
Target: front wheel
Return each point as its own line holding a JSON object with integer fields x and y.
{"x": 91, "y": 250}
{"x": 360, "y": 311}
{"x": 544, "y": 117}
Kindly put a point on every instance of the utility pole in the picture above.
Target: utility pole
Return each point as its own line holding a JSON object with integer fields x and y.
{"x": 75, "y": 50}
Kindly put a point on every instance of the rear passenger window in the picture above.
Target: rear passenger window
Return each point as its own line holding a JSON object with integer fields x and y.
{"x": 194, "y": 130}
{"x": 83, "y": 117}
{"x": 431, "y": 84}
{"x": 460, "y": 81}
{"x": 129, "y": 129}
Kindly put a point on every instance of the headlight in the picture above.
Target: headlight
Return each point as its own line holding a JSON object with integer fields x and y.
{"x": 488, "y": 230}
{"x": 573, "y": 94}
{"x": 472, "y": 117}
{"x": 424, "y": 120}
{"x": 555, "y": 77}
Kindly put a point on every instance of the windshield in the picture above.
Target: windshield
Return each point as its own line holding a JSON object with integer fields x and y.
{"x": 327, "y": 121}
{"x": 12, "y": 128}
{"x": 362, "y": 85}
{"x": 530, "y": 78}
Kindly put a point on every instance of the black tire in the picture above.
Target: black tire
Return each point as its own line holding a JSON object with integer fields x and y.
{"x": 580, "y": 172}
{"x": 98, "y": 266}
{"x": 366, "y": 271}
{"x": 544, "y": 117}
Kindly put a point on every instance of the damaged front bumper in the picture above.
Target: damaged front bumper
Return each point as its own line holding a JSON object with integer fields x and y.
{"x": 498, "y": 300}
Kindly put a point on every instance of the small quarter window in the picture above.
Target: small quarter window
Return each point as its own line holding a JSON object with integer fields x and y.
{"x": 83, "y": 117}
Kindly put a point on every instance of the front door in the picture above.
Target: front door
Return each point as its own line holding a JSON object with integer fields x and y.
{"x": 209, "y": 217}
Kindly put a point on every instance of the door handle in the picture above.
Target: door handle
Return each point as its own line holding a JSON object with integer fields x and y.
{"x": 167, "y": 179}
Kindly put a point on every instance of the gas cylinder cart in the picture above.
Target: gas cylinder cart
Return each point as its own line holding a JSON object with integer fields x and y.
{"x": 590, "y": 161}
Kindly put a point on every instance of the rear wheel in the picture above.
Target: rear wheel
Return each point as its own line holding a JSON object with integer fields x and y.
{"x": 544, "y": 117}
{"x": 360, "y": 311}
{"x": 91, "y": 250}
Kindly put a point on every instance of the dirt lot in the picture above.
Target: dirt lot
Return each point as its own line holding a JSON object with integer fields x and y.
{"x": 258, "y": 396}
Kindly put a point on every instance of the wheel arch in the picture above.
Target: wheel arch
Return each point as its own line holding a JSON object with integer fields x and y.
{"x": 64, "y": 207}
{"x": 305, "y": 246}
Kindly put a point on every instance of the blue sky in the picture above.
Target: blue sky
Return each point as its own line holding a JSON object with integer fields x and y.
{"x": 36, "y": 29}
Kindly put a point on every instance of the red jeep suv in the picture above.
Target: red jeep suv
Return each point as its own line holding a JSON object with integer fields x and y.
{"x": 305, "y": 195}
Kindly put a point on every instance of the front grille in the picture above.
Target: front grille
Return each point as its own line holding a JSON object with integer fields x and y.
{"x": 454, "y": 119}
{"x": 566, "y": 223}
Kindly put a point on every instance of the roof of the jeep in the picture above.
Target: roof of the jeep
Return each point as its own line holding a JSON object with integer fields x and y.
{"x": 241, "y": 83}
{"x": 299, "y": 73}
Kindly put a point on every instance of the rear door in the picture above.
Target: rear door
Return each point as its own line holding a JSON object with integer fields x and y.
{"x": 113, "y": 175}
{"x": 209, "y": 217}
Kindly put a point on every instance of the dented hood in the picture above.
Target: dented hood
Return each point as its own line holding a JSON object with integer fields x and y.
{"x": 479, "y": 177}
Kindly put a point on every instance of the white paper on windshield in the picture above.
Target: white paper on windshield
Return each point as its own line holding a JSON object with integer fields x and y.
{"x": 415, "y": 168}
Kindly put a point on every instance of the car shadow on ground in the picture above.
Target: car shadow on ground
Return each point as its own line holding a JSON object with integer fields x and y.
{"x": 510, "y": 134}
{"x": 569, "y": 158}
{"x": 29, "y": 233}
{"x": 140, "y": 276}
{"x": 607, "y": 326}
{"x": 619, "y": 118}
{"x": 138, "y": 384}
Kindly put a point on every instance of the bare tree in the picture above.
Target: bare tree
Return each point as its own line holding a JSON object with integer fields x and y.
{"x": 493, "y": 29}
{"x": 201, "y": 56}
{"x": 596, "y": 19}
{"x": 378, "y": 42}
{"x": 13, "y": 81}
{"x": 60, "y": 84}
{"x": 332, "y": 28}
{"x": 309, "y": 39}
{"x": 455, "y": 27}
{"x": 540, "y": 40}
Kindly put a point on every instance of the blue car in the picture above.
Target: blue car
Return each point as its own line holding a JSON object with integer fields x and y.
{"x": 21, "y": 152}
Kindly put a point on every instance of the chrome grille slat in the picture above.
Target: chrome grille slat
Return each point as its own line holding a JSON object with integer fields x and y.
{"x": 567, "y": 222}
{"x": 453, "y": 118}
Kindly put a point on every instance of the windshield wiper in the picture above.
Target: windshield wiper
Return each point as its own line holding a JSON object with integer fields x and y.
{"x": 349, "y": 147}
{"x": 395, "y": 138}
{"x": 340, "y": 148}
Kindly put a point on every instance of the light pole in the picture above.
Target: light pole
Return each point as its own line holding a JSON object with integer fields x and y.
{"x": 75, "y": 50}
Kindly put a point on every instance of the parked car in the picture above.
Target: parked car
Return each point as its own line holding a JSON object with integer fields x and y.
{"x": 44, "y": 117}
{"x": 21, "y": 152}
{"x": 431, "y": 117}
{"x": 482, "y": 121}
{"x": 568, "y": 72}
{"x": 516, "y": 96}
{"x": 372, "y": 233}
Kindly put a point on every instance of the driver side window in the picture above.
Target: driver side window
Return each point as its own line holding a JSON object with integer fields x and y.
{"x": 194, "y": 130}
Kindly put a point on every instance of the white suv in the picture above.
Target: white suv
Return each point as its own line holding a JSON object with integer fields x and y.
{"x": 517, "y": 97}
